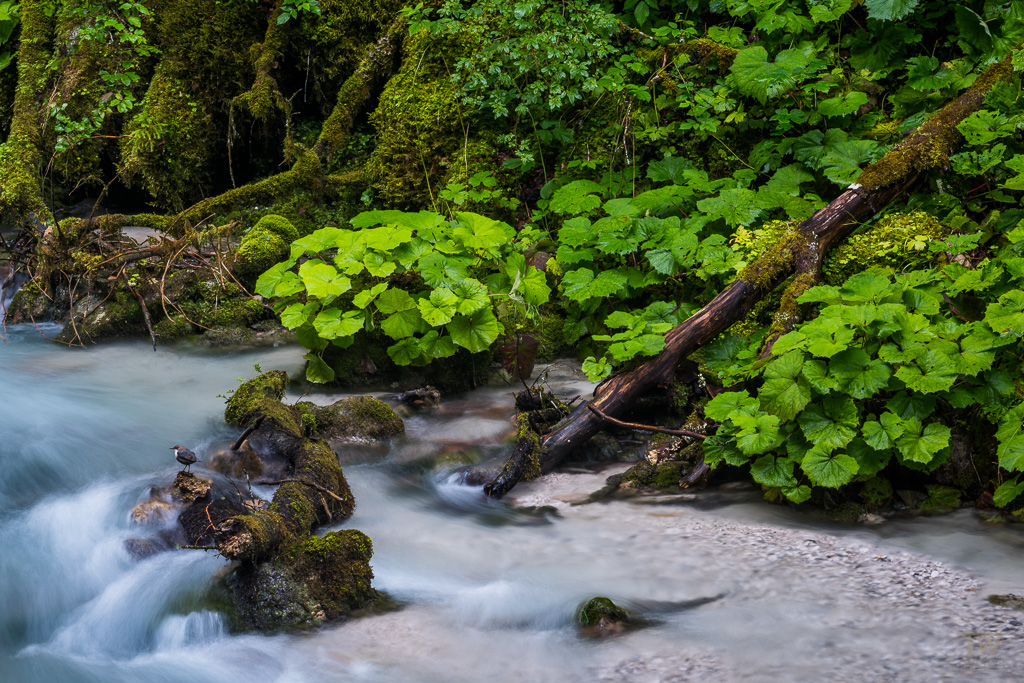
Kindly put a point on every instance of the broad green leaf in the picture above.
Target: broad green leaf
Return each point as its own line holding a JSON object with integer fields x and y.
{"x": 831, "y": 470}
{"x": 423, "y": 221}
{"x": 762, "y": 78}
{"x": 317, "y": 371}
{"x": 274, "y": 278}
{"x": 869, "y": 460}
{"x": 1011, "y": 454}
{"x": 785, "y": 393}
{"x": 934, "y": 372}
{"x": 331, "y": 323}
{"x": 377, "y": 265}
{"x": 471, "y": 296}
{"x": 401, "y": 324}
{"x": 406, "y": 352}
{"x": 576, "y": 197}
{"x": 889, "y": 10}
{"x": 366, "y": 297}
{"x": 868, "y": 286}
{"x": 797, "y": 494}
{"x": 857, "y": 374}
{"x": 881, "y": 434}
{"x": 385, "y": 239}
{"x": 911, "y": 405}
{"x": 737, "y": 206}
{"x": 298, "y": 314}
{"x": 842, "y": 105}
{"x": 475, "y": 332}
{"x": 439, "y": 308}
{"x": 919, "y": 444}
{"x": 435, "y": 346}
{"x": 319, "y": 240}
{"x": 830, "y": 424}
{"x": 769, "y": 470}
{"x": 816, "y": 373}
{"x": 1008, "y": 492}
{"x": 395, "y": 301}
{"x": 728, "y": 403}
{"x": 534, "y": 286}
{"x": 482, "y": 233}
{"x": 322, "y": 280}
{"x": 721, "y": 447}
{"x": 758, "y": 433}
{"x": 1007, "y": 316}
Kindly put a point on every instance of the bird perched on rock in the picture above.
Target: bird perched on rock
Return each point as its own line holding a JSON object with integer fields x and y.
{"x": 184, "y": 456}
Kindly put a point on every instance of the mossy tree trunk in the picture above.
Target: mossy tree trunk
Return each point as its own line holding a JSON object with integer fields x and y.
{"x": 800, "y": 252}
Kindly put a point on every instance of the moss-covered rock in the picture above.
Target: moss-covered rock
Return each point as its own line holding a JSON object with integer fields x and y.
{"x": 120, "y": 316}
{"x": 663, "y": 476}
{"x": 279, "y": 225}
{"x": 314, "y": 581}
{"x": 174, "y": 327}
{"x": 260, "y": 249}
{"x": 258, "y": 396}
{"x": 358, "y": 419}
{"x": 216, "y": 306}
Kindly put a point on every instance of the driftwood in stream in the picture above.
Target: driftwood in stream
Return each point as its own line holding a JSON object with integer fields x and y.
{"x": 799, "y": 252}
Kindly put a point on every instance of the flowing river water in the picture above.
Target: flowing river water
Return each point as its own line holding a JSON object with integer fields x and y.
{"x": 489, "y": 589}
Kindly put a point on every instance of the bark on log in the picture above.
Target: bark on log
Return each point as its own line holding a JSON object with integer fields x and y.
{"x": 928, "y": 147}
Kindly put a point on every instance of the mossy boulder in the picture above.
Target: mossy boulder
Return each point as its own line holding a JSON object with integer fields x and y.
{"x": 174, "y": 327}
{"x": 216, "y": 306}
{"x": 357, "y": 419}
{"x": 314, "y": 581}
{"x": 258, "y": 396}
{"x": 260, "y": 249}
{"x": 664, "y": 476}
{"x": 600, "y": 617}
{"x": 120, "y": 316}
{"x": 279, "y": 225}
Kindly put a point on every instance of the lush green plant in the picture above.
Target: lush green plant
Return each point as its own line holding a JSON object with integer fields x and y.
{"x": 9, "y": 18}
{"x": 877, "y": 376}
{"x": 430, "y": 283}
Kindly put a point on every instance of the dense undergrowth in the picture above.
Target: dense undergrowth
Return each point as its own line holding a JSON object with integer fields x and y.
{"x": 609, "y": 165}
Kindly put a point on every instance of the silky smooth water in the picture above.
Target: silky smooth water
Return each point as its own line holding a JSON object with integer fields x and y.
{"x": 489, "y": 590}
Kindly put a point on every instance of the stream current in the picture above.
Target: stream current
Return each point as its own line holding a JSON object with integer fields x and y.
{"x": 489, "y": 589}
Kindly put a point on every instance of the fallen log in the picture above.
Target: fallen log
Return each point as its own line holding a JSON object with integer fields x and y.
{"x": 800, "y": 251}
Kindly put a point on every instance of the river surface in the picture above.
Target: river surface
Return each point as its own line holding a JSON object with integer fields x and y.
{"x": 489, "y": 589}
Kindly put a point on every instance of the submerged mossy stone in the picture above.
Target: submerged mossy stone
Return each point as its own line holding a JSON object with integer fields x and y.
{"x": 279, "y": 225}
{"x": 357, "y": 418}
{"x": 663, "y": 476}
{"x": 316, "y": 580}
{"x": 260, "y": 249}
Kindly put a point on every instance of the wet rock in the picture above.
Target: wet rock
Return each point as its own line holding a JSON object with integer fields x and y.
{"x": 359, "y": 419}
{"x": 152, "y": 511}
{"x": 141, "y": 548}
{"x": 1008, "y": 600}
{"x": 600, "y": 618}
{"x": 245, "y": 462}
{"x": 188, "y": 488}
{"x": 314, "y": 581}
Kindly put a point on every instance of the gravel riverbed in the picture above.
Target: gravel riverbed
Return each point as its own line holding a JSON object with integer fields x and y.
{"x": 797, "y": 603}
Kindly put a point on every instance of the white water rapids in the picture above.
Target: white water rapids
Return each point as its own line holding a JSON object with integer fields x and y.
{"x": 489, "y": 589}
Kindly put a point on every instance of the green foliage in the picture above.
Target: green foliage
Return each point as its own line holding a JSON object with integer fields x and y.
{"x": 528, "y": 56}
{"x": 9, "y": 18}
{"x": 431, "y": 284}
{"x": 876, "y": 377}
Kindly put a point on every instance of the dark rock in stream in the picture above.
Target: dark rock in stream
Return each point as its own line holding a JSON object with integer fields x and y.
{"x": 307, "y": 584}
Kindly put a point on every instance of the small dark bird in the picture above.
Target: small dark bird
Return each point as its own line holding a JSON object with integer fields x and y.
{"x": 184, "y": 456}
